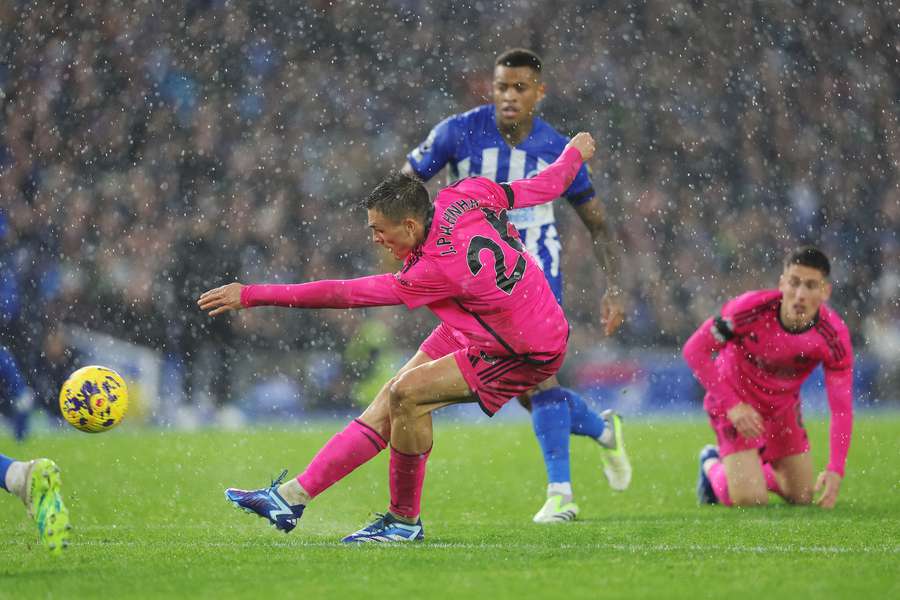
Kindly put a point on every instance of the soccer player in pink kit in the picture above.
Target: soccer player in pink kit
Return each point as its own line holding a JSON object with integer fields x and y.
{"x": 502, "y": 331}
{"x": 768, "y": 342}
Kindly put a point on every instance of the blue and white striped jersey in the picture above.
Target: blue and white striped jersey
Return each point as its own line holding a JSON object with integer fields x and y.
{"x": 470, "y": 144}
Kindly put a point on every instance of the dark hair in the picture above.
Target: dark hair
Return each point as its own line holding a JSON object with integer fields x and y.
{"x": 399, "y": 196}
{"x": 519, "y": 57}
{"x": 809, "y": 256}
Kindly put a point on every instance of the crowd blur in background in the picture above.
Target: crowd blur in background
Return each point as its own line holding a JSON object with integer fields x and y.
{"x": 149, "y": 152}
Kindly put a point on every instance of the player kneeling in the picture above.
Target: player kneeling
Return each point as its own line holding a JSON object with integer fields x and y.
{"x": 768, "y": 342}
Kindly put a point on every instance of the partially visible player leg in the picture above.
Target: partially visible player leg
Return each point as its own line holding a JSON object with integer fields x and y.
{"x": 38, "y": 484}
{"x": 744, "y": 482}
{"x": 359, "y": 442}
{"x": 551, "y": 421}
{"x": 414, "y": 395}
{"x": 557, "y": 412}
{"x": 795, "y": 477}
{"x": 13, "y": 386}
{"x": 772, "y": 483}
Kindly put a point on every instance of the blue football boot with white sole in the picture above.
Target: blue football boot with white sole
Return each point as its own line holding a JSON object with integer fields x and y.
{"x": 387, "y": 528}
{"x": 268, "y": 504}
{"x": 705, "y": 493}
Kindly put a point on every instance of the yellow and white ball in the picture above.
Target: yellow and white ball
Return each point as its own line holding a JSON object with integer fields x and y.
{"x": 94, "y": 399}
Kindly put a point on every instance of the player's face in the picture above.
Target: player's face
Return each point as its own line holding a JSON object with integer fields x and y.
{"x": 399, "y": 237}
{"x": 517, "y": 91}
{"x": 803, "y": 289}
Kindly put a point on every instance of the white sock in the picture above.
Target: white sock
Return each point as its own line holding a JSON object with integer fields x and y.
{"x": 15, "y": 478}
{"x": 563, "y": 488}
{"x": 607, "y": 439}
{"x": 708, "y": 463}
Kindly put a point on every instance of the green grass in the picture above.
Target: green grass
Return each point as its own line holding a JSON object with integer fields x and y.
{"x": 150, "y": 521}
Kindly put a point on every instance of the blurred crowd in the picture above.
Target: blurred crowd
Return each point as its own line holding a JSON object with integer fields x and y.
{"x": 150, "y": 151}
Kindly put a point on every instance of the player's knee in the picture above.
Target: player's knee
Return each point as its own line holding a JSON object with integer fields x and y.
{"x": 401, "y": 395}
{"x": 748, "y": 497}
{"x": 803, "y": 496}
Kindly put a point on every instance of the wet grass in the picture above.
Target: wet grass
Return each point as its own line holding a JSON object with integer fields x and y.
{"x": 150, "y": 521}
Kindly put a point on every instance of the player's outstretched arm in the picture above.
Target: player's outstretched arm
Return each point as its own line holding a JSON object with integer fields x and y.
{"x": 553, "y": 181}
{"x": 375, "y": 290}
{"x": 221, "y": 299}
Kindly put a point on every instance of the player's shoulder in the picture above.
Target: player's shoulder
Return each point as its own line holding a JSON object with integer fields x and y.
{"x": 472, "y": 187}
{"x": 836, "y": 335}
{"x": 476, "y": 117}
{"x": 546, "y": 135}
{"x": 749, "y": 306}
{"x": 830, "y": 322}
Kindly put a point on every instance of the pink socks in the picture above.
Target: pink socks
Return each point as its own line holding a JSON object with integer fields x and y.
{"x": 719, "y": 482}
{"x": 406, "y": 479}
{"x": 771, "y": 481}
{"x": 357, "y": 444}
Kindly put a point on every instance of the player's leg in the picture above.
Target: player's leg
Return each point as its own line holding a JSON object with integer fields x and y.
{"x": 38, "y": 484}
{"x": 414, "y": 395}
{"x": 557, "y": 412}
{"x": 14, "y": 387}
{"x": 795, "y": 478}
{"x": 738, "y": 479}
{"x": 552, "y": 425}
{"x": 283, "y": 502}
{"x": 787, "y": 464}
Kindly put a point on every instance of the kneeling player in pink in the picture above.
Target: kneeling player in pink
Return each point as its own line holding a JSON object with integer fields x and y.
{"x": 768, "y": 342}
{"x": 502, "y": 331}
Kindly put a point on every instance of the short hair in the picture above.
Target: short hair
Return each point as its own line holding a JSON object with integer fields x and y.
{"x": 399, "y": 196}
{"x": 519, "y": 57}
{"x": 809, "y": 256}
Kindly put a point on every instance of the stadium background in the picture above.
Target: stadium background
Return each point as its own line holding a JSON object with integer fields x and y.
{"x": 149, "y": 152}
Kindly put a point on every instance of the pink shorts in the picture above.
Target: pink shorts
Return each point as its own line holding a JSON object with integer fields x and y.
{"x": 494, "y": 380}
{"x": 784, "y": 435}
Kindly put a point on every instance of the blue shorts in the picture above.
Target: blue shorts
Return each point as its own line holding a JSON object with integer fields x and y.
{"x": 542, "y": 243}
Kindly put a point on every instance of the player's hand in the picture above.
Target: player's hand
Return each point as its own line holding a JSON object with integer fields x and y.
{"x": 612, "y": 310}
{"x": 746, "y": 420}
{"x": 585, "y": 144}
{"x": 829, "y": 483}
{"x": 221, "y": 299}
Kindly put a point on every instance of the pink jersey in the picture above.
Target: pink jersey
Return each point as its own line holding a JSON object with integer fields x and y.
{"x": 769, "y": 363}
{"x": 763, "y": 364}
{"x": 471, "y": 270}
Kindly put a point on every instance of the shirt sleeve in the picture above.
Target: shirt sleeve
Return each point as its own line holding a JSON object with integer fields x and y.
{"x": 839, "y": 387}
{"x": 429, "y": 157}
{"x": 739, "y": 314}
{"x": 375, "y": 290}
{"x": 698, "y": 354}
{"x": 547, "y": 185}
{"x": 421, "y": 284}
{"x": 582, "y": 190}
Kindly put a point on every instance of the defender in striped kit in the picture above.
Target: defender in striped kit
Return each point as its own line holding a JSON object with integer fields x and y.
{"x": 505, "y": 141}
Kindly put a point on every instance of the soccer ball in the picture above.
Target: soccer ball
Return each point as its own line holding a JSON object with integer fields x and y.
{"x": 94, "y": 399}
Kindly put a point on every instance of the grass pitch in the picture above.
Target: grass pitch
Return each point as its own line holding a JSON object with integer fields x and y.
{"x": 151, "y": 522}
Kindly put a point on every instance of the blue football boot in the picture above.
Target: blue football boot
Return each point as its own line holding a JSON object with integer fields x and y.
{"x": 268, "y": 504}
{"x": 386, "y": 528}
{"x": 705, "y": 493}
